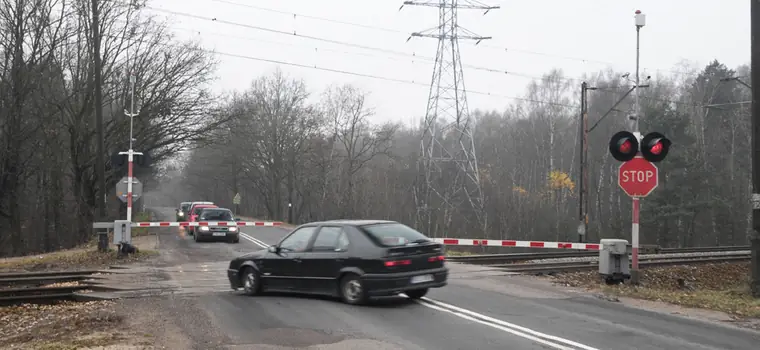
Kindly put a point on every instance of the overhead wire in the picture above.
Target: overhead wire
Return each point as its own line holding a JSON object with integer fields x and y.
{"x": 337, "y": 42}
{"x": 342, "y": 43}
{"x": 575, "y": 80}
{"x": 397, "y": 31}
{"x": 346, "y": 72}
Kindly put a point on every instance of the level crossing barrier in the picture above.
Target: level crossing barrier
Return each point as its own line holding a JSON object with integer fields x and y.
{"x": 520, "y": 244}
{"x": 205, "y": 223}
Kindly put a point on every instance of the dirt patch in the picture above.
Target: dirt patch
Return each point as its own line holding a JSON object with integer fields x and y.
{"x": 721, "y": 287}
{"x": 85, "y": 257}
{"x": 68, "y": 325}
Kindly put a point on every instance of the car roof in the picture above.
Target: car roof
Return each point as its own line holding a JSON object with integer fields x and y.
{"x": 351, "y": 222}
{"x": 201, "y": 202}
{"x": 202, "y": 206}
{"x": 214, "y": 208}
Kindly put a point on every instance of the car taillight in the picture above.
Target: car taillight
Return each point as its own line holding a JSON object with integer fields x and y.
{"x": 397, "y": 263}
{"x": 436, "y": 258}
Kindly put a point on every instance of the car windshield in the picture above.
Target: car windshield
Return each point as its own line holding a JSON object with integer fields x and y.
{"x": 216, "y": 215}
{"x": 199, "y": 208}
{"x": 394, "y": 234}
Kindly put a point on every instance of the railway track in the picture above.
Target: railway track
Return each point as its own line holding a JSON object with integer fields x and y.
{"x": 650, "y": 261}
{"x": 40, "y": 287}
{"x": 495, "y": 259}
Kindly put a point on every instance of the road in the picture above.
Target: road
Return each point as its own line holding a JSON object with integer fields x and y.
{"x": 480, "y": 309}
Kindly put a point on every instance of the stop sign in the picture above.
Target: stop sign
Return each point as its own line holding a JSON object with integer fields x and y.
{"x": 638, "y": 177}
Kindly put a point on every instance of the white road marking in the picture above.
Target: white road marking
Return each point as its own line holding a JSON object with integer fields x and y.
{"x": 253, "y": 240}
{"x": 542, "y": 338}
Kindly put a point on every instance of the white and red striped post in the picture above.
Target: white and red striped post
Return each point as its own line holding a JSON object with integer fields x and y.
{"x": 131, "y": 153}
{"x": 635, "y": 237}
{"x": 130, "y": 159}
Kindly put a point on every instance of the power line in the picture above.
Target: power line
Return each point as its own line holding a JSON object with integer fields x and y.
{"x": 396, "y": 31}
{"x": 343, "y": 43}
{"x": 429, "y": 60}
{"x": 346, "y": 72}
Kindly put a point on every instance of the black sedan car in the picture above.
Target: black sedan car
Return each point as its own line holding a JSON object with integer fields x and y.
{"x": 350, "y": 259}
{"x": 217, "y": 233}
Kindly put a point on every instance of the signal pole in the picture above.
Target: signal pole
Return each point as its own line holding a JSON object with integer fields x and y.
{"x": 640, "y": 22}
{"x": 755, "y": 66}
{"x": 131, "y": 153}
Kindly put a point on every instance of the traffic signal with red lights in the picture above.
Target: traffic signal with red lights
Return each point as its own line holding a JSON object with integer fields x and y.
{"x": 654, "y": 147}
{"x": 624, "y": 146}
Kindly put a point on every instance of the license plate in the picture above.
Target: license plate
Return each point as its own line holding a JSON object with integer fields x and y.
{"x": 422, "y": 279}
{"x": 220, "y": 234}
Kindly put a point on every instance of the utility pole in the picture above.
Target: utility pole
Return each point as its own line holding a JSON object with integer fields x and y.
{"x": 582, "y": 217}
{"x": 100, "y": 162}
{"x": 583, "y": 160}
{"x": 755, "y": 66}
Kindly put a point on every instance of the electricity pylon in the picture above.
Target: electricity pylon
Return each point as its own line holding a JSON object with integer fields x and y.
{"x": 448, "y": 183}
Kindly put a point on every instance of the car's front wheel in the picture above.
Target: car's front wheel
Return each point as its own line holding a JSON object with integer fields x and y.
{"x": 417, "y": 293}
{"x": 352, "y": 290}
{"x": 251, "y": 281}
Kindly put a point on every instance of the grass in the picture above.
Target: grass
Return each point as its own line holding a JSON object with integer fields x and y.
{"x": 83, "y": 257}
{"x": 71, "y": 259}
{"x": 721, "y": 287}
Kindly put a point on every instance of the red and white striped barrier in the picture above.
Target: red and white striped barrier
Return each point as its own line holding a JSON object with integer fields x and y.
{"x": 521, "y": 244}
{"x": 205, "y": 223}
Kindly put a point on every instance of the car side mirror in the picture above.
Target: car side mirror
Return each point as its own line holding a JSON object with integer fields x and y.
{"x": 273, "y": 249}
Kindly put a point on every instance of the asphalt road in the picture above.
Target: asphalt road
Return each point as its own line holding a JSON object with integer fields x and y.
{"x": 478, "y": 310}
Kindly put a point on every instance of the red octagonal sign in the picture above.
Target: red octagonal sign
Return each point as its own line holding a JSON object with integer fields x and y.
{"x": 638, "y": 177}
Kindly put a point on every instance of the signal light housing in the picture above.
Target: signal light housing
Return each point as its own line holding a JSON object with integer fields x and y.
{"x": 655, "y": 146}
{"x": 118, "y": 160}
{"x": 624, "y": 146}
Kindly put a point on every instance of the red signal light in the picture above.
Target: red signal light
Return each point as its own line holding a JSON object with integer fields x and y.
{"x": 625, "y": 147}
{"x": 656, "y": 148}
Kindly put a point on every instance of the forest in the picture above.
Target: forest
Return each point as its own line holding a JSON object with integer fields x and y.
{"x": 329, "y": 160}
{"x": 300, "y": 161}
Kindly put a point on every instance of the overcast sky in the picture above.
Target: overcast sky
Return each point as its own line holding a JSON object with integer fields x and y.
{"x": 529, "y": 39}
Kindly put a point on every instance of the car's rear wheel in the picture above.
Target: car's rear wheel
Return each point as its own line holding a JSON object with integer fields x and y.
{"x": 417, "y": 293}
{"x": 352, "y": 290}
{"x": 250, "y": 280}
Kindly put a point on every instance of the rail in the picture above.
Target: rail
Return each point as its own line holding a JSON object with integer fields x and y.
{"x": 490, "y": 259}
{"x": 651, "y": 261}
{"x": 41, "y": 287}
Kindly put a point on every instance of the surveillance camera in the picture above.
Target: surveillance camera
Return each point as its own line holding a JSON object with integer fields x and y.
{"x": 649, "y": 77}
{"x": 626, "y": 75}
